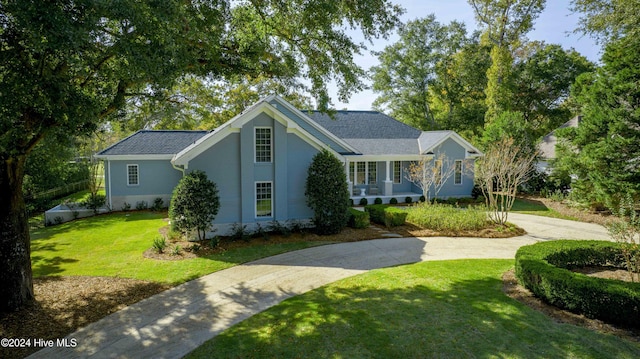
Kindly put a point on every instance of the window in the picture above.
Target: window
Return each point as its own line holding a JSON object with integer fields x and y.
{"x": 362, "y": 173}
{"x": 457, "y": 177}
{"x": 372, "y": 176}
{"x": 263, "y": 144}
{"x": 365, "y": 172}
{"x": 351, "y": 169}
{"x": 438, "y": 171}
{"x": 133, "y": 178}
{"x": 264, "y": 206}
{"x": 397, "y": 172}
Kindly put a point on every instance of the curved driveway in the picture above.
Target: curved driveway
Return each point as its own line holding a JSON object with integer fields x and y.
{"x": 173, "y": 323}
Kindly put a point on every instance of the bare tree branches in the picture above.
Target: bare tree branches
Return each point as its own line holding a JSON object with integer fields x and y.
{"x": 504, "y": 167}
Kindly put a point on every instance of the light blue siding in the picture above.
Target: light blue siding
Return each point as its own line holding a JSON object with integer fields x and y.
{"x": 453, "y": 151}
{"x": 312, "y": 130}
{"x": 221, "y": 163}
{"x": 157, "y": 178}
{"x": 299, "y": 157}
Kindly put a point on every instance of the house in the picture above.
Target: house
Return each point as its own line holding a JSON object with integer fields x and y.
{"x": 547, "y": 147}
{"x": 259, "y": 161}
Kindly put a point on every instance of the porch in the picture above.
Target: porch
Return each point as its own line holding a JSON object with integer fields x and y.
{"x": 400, "y": 196}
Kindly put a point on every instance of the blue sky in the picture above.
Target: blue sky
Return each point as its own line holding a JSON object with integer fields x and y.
{"x": 555, "y": 26}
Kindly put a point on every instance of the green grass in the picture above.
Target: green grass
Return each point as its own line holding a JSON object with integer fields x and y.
{"x": 112, "y": 245}
{"x": 80, "y": 196}
{"x": 538, "y": 209}
{"x": 444, "y": 217}
{"x": 440, "y": 309}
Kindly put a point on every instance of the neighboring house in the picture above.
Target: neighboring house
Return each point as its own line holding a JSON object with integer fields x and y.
{"x": 547, "y": 147}
{"x": 259, "y": 161}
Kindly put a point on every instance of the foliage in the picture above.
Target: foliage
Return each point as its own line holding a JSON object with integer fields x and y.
{"x": 159, "y": 244}
{"x": 543, "y": 75}
{"x": 280, "y": 228}
{"x": 408, "y": 200}
{"x": 239, "y": 232}
{"x": 385, "y": 215}
{"x": 393, "y": 201}
{"x": 363, "y": 201}
{"x": 69, "y": 67}
{"x": 444, "y": 217}
{"x": 407, "y": 69}
{"x": 142, "y": 205}
{"x": 608, "y": 19}
{"x": 499, "y": 173}
{"x": 358, "y": 219}
{"x": 603, "y": 151}
{"x": 327, "y": 193}
{"x": 431, "y": 173}
{"x": 627, "y": 233}
{"x": 95, "y": 202}
{"x": 194, "y": 204}
{"x": 505, "y": 23}
{"x": 177, "y": 250}
{"x": 512, "y": 125}
{"x": 158, "y": 204}
{"x": 544, "y": 268}
{"x": 378, "y": 200}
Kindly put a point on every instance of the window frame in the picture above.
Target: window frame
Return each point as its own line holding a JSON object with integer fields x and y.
{"x": 256, "y": 199}
{"x": 257, "y": 158}
{"x": 397, "y": 167}
{"x": 137, "y": 167}
{"x": 458, "y": 172}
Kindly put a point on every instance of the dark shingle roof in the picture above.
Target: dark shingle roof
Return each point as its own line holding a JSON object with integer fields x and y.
{"x": 148, "y": 142}
{"x": 364, "y": 124}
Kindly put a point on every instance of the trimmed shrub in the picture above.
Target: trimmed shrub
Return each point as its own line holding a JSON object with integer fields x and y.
{"x": 544, "y": 269}
{"x": 393, "y": 201}
{"x": 158, "y": 204}
{"x": 194, "y": 204}
{"x": 378, "y": 200}
{"x": 358, "y": 219}
{"x": 394, "y": 217}
{"x": 363, "y": 201}
{"x": 408, "y": 200}
{"x": 423, "y": 199}
{"x": 385, "y": 215}
{"x": 376, "y": 212}
{"x": 327, "y": 193}
{"x": 444, "y": 217}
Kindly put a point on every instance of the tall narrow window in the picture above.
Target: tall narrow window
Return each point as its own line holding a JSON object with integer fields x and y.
{"x": 457, "y": 176}
{"x": 263, "y": 144}
{"x": 397, "y": 172}
{"x": 373, "y": 172}
{"x": 264, "y": 204}
{"x": 438, "y": 171}
{"x": 351, "y": 169}
{"x": 362, "y": 173}
{"x": 133, "y": 177}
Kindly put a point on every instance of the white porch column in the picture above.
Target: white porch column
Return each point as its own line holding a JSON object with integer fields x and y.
{"x": 388, "y": 183}
{"x": 349, "y": 182}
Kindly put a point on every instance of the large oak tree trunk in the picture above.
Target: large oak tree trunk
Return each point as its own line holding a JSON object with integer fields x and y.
{"x": 16, "y": 280}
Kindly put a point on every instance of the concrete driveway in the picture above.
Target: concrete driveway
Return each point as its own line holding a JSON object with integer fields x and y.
{"x": 173, "y": 323}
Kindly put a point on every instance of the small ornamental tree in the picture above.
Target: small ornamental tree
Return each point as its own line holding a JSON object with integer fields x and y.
{"x": 194, "y": 204}
{"x": 327, "y": 193}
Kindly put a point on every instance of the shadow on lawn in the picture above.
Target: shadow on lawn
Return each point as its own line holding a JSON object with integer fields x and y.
{"x": 469, "y": 319}
{"x": 531, "y": 205}
{"x": 56, "y": 314}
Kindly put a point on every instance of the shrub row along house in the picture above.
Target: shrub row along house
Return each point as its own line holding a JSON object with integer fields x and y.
{"x": 259, "y": 161}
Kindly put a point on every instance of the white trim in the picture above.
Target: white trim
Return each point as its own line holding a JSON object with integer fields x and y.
{"x": 393, "y": 172}
{"x": 459, "y": 140}
{"x": 133, "y": 157}
{"x": 311, "y": 122}
{"x": 235, "y": 124}
{"x": 137, "y": 174}
{"x": 110, "y": 193}
{"x": 255, "y": 145}
{"x": 382, "y": 158}
{"x": 255, "y": 199}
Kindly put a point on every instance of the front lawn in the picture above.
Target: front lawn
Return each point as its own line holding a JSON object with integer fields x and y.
{"x": 112, "y": 245}
{"x": 441, "y": 309}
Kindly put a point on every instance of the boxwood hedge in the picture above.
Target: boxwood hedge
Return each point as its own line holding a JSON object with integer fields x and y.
{"x": 544, "y": 268}
{"x": 386, "y": 215}
{"x": 358, "y": 219}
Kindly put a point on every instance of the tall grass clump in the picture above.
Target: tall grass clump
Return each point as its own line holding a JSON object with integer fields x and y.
{"x": 444, "y": 217}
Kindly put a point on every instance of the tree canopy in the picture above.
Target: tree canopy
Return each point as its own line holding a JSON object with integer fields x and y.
{"x": 67, "y": 66}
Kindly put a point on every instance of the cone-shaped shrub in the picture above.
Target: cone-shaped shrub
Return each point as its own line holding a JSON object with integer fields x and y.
{"x": 327, "y": 193}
